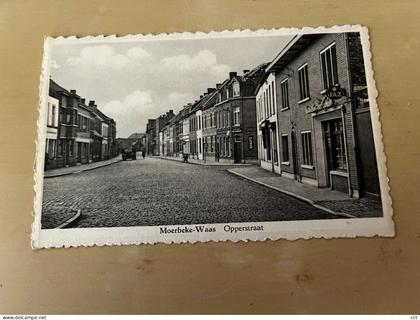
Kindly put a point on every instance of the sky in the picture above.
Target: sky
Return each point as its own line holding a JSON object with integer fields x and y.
{"x": 136, "y": 81}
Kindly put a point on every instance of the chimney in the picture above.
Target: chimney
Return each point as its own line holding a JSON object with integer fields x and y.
{"x": 72, "y": 91}
{"x": 246, "y": 71}
{"x": 201, "y": 97}
{"x": 218, "y": 85}
{"x": 171, "y": 111}
{"x": 232, "y": 74}
{"x": 83, "y": 100}
{"x": 210, "y": 90}
{"x": 92, "y": 103}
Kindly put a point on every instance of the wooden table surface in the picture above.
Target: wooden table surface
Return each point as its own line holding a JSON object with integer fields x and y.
{"x": 306, "y": 276}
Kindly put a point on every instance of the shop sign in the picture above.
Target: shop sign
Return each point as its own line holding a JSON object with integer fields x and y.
{"x": 335, "y": 92}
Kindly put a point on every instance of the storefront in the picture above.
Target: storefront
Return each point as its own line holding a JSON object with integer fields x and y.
{"x": 334, "y": 140}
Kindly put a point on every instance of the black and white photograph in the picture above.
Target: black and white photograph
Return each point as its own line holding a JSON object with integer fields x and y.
{"x": 192, "y": 137}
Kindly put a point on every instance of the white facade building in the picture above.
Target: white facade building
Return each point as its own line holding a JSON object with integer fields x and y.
{"x": 185, "y": 136}
{"x": 267, "y": 128}
{"x": 52, "y": 127}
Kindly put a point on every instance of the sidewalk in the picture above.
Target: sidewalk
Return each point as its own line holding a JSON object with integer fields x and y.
{"x": 77, "y": 169}
{"x": 208, "y": 162}
{"x": 335, "y": 202}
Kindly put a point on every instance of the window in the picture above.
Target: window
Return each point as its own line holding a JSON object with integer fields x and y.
{"x": 211, "y": 144}
{"x": 273, "y": 97}
{"x": 236, "y": 89}
{"x": 51, "y": 149}
{"x": 71, "y": 147}
{"x": 61, "y": 115}
{"x": 236, "y": 116}
{"x": 284, "y": 94}
{"x": 303, "y": 82}
{"x": 53, "y": 122}
{"x": 307, "y": 148}
{"x": 285, "y": 148}
{"x": 329, "y": 66}
{"x": 227, "y": 93}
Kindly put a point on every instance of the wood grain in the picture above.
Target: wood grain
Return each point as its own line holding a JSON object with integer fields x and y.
{"x": 305, "y": 276}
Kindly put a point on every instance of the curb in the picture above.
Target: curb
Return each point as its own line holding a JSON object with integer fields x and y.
{"x": 70, "y": 221}
{"x": 205, "y": 164}
{"x": 294, "y": 195}
{"x": 80, "y": 171}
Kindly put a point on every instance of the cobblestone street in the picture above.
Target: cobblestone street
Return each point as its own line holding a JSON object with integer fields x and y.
{"x": 161, "y": 192}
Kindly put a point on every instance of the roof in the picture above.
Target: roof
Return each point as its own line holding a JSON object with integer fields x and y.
{"x": 290, "y": 51}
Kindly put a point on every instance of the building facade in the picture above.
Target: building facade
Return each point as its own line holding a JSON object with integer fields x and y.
{"x": 321, "y": 115}
{"x": 76, "y": 131}
{"x": 235, "y": 117}
{"x": 267, "y": 140}
{"x": 151, "y": 139}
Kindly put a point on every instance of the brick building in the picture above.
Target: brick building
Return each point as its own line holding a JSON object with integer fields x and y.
{"x": 77, "y": 132}
{"x": 235, "y": 117}
{"x": 151, "y": 138}
{"x": 313, "y": 115}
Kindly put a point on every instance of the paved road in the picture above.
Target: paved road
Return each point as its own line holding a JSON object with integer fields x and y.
{"x": 161, "y": 192}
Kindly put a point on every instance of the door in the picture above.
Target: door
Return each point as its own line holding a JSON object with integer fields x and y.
{"x": 79, "y": 152}
{"x": 334, "y": 146}
{"x": 237, "y": 150}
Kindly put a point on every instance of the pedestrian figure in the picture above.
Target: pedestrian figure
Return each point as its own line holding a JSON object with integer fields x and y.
{"x": 143, "y": 153}
{"x": 185, "y": 156}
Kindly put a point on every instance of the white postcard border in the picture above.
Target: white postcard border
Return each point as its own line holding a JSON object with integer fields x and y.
{"x": 290, "y": 230}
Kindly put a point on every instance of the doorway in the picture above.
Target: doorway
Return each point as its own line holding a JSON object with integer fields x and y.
{"x": 237, "y": 150}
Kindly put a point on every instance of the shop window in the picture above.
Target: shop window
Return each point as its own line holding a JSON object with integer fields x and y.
{"x": 285, "y": 148}
{"x": 303, "y": 82}
{"x": 329, "y": 66}
{"x": 336, "y": 151}
{"x": 307, "y": 158}
{"x": 284, "y": 94}
{"x": 236, "y": 116}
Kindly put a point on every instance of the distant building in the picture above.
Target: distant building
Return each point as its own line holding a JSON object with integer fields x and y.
{"x": 151, "y": 137}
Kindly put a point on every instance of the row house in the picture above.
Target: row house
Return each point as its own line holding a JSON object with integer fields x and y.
{"x": 313, "y": 115}
{"x": 161, "y": 123}
{"x": 209, "y": 126}
{"x": 72, "y": 130}
{"x": 151, "y": 138}
{"x": 234, "y": 117}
